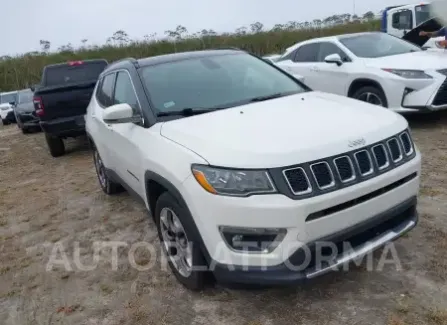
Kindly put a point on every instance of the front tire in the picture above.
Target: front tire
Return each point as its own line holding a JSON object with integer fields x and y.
{"x": 372, "y": 95}
{"x": 5, "y": 122}
{"x": 56, "y": 145}
{"x": 184, "y": 255}
{"x": 107, "y": 185}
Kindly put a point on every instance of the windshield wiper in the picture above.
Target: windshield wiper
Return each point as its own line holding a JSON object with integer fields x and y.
{"x": 186, "y": 112}
{"x": 272, "y": 96}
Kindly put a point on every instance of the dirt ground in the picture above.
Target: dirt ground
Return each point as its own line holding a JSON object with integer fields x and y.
{"x": 46, "y": 202}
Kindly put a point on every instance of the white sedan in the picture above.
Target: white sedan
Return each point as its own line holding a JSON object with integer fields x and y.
{"x": 374, "y": 67}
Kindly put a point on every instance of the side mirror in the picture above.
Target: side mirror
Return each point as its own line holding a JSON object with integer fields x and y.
{"x": 334, "y": 58}
{"x": 120, "y": 113}
{"x": 12, "y": 103}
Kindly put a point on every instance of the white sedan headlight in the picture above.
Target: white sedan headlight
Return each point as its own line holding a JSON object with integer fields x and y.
{"x": 409, "y": 74}
{"x": 233, "y": 182}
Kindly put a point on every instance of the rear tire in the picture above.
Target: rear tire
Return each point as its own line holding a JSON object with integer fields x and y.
{"x": 25, "y": 130}
{"x": 107, "y": 185}
{"x": 372, "y": 95}
{"x": 5, "y": 122}
{"x": 56, "y": 145}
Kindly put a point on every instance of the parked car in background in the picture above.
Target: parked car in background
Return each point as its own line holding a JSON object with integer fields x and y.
{"x": 61, "y": 100}
{"x": 271, "y": 58}
{"x": 374, "y": 67}
{"x": 246, "y": 171}
{"x": 24, "y": 111}
{"x": 7, "y": 102}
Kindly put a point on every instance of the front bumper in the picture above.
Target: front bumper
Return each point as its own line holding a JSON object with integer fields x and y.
{"x": 350, "y": 245}
{"x": 371, "y": 198}
{"x": 4, "y": 113}
{"x": 417, "y": 96}
{"x": 28, "y": 118}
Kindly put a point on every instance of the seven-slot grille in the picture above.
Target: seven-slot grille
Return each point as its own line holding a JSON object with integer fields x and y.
{"x": 346, "y": 169}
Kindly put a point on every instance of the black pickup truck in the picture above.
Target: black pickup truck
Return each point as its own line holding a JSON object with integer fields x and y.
{"x": 61, "y": 100}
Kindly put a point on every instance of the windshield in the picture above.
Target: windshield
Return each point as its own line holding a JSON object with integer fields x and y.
{"x": 376, "y": 45}
{"x": 8, "y": 98}
{"x": 214, "y": 82}
{"x": 25, "y": 96}
{"x": 422, "y": 14}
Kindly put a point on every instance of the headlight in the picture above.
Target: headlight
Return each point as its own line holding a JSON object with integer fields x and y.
{"x": 409, "y": 74}
{"x": 233, "y": 182}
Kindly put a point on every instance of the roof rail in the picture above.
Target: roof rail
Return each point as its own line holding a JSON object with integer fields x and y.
{"x": 130, "y": 59}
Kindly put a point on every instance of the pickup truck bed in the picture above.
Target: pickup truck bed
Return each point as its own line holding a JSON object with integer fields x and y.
{"x": 62, "y": 98}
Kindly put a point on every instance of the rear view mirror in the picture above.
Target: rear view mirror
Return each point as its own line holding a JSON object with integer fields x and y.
{"x": 120, "y": 113}
{"x": 334, "y": 58}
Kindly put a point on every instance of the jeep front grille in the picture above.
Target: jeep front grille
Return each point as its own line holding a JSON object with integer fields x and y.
{"x": 325, "y": 175}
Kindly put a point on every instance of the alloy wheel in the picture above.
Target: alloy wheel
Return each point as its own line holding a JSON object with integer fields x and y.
{"x": 100, "y": 170}
{"x": 176, "y": 242}
{"x": 370, "y": 98}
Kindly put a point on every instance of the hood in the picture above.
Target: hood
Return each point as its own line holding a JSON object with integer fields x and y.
{"x": 413, "y": 36}
{"x": 423, "y": 60}
{"x": 5, "y": 105}
{"x": 283, "y": 131}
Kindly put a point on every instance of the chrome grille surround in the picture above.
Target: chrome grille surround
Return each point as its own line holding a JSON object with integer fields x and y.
{"x": 377, "y": 156}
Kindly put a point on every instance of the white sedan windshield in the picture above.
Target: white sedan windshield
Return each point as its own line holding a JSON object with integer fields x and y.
{"x": 376, "y": 45}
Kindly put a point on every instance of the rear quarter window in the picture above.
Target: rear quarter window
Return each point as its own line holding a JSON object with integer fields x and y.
{"x": 68, "y": 74}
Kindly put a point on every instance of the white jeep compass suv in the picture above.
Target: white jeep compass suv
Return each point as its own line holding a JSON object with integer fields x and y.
{"x": 246, "y": 171}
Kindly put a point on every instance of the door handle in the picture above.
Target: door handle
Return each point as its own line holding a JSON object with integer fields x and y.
{"x": 315, "y": 69}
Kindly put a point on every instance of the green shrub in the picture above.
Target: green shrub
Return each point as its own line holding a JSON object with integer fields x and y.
{"x": 21, "y": 71}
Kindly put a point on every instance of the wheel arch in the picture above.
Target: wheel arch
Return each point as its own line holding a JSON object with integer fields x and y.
{"x": 358, "y": 83}
{"x": 156, "y": 185}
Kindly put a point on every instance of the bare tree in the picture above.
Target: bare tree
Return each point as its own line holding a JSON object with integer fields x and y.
{"x": 368, "y": 15}
{"x": 120, "y": 38}
{"x": 256, "y": 27}
{"x": 66, "y": 48}
{"x": 45, "y": 45}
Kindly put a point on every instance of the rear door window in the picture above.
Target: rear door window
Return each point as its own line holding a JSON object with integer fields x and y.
{"x": 73, "y": 73}
{"x": 307, "y": 53}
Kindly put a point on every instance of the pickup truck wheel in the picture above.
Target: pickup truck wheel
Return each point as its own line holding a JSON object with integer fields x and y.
{"x": 372, "y": 95}
{"x": 179, "y": 245}
{"x": 56, "y": 145}
{"x": 25, "y": 130}
{"x": 107, "y": 185}
{"x": 5, "y": 122}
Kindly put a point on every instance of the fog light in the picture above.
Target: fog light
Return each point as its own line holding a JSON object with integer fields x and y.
{"x": 253, "y": 240}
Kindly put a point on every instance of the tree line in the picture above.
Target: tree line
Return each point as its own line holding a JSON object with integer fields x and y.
{"x": 121, "y": 38}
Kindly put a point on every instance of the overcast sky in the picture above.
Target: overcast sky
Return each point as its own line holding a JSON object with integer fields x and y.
{"x": 25, "y": 22}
